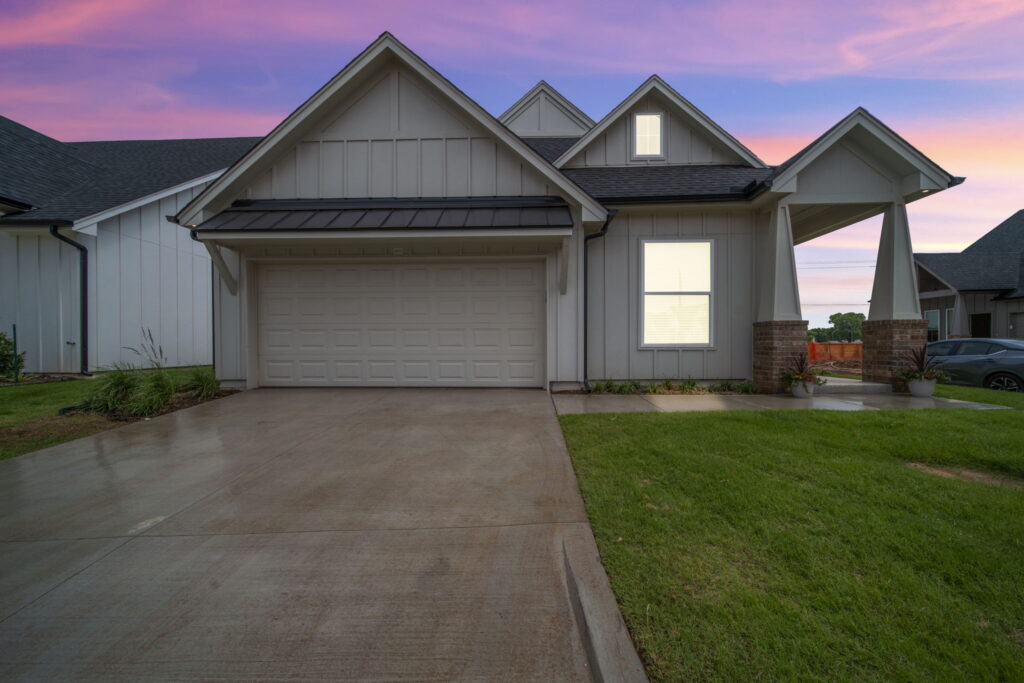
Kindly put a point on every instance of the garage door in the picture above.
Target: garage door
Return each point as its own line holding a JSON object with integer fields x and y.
{"x": 443, "y": 324}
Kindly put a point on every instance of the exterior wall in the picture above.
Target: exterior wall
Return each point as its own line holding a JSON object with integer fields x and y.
{"x": 39, "y": 293}
{"x": 544, "y": 116}
{"x": 145, "y": 272}
{"x": 615, "y": 289}
{"x": 926, "y": 282}
{"x": 685, "y": 142}
{"x": 395, "y": 139}
{"x": 979, "y": 302}
{"x": 234, "y": 319}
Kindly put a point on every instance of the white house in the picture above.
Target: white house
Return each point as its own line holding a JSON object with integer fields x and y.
{"x": 392, "y": 232}
{"x": 87, "y": 257}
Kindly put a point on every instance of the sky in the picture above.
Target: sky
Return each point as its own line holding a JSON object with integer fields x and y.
{"x": 948, "y": 75}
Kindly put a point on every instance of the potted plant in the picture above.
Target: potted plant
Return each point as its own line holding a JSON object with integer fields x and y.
{"x": 801, "y": 378}
{"x": 920, "y": 378}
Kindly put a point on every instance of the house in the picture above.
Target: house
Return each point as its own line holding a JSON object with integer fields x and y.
{"x": 980, "y": 291}
{"x": 391, "y": 232}
{"x": 87, "y": 257}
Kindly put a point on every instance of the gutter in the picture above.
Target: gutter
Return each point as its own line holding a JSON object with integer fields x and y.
{"x": 83, "y": 297}
{"x": 612, "y": 213}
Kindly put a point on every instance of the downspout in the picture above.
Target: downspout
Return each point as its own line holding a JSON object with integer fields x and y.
{"x": 586, "y": 290}
{"x": 83, "y": 296}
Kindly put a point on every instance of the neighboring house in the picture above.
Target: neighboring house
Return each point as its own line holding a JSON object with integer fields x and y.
{"x": 392, "y": 232}
{"x": 980, "y": 291}
{"x": 103, "y": 205}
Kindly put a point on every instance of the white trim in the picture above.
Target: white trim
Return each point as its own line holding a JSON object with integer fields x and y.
{"x": 709, "y": 293}
{"x": 222, "y": 267}
{"x": 654, "y": 83}
{"x": 937, "y": 294}
{"x": 225, "y": 236}
{"x": 287, "y": 131}
{"x": 567, "y": 107}
{"x": 83, "y": 224}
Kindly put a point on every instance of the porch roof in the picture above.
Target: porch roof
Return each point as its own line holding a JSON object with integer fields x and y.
{"x": 391, "y": 214}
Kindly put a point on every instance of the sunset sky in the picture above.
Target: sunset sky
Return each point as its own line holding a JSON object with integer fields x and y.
{"x": 947, "y": 75}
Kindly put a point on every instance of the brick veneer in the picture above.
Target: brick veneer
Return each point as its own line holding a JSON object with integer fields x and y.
{"x": 887, "y": 347}
{"x": 777, "y": 343}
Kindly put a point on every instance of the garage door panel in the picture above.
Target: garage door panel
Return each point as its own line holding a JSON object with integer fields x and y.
{"x": 403, "y": 325}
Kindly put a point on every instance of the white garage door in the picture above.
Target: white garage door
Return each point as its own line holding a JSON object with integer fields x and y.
{"x": 443, "y": 324}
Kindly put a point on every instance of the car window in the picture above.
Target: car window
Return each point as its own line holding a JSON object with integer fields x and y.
{"x": 941, "y": 349}
{"x": 973, "y": 349}
{"x": 995, "y": 348}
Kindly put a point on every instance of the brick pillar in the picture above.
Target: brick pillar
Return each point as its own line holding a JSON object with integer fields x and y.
{"x": 887, "y": 347}
{"x": 777, "y": 343}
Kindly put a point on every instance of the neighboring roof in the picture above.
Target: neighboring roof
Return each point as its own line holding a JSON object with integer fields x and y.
{"x": 67, "y": 181}
{"x": 392, "y": 214}
{"x": 995, "y": 262}
{"x": 656, "y": 84}
{"x": 386, "y": 46}
{"x": 550, "y": 148}
{"x": 573, "y": 120}
{"x": 35, "y": 167}
{"x": 624, "y": 184}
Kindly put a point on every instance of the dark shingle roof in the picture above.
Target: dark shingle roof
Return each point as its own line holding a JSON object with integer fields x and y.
{"x": 65, "y": 181}
{"x": 392, "y": 214}
{"x": 551, "y": 148}
{"x": 995, "y": 262}
{"x": 637, "y": 183}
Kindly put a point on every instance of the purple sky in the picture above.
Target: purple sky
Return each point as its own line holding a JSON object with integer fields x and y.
{"x": 947, "y": 75}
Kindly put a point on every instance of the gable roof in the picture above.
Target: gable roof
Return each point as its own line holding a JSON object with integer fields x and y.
{"x": 656, "y": 184}
{"x": 861, "y": 117}
{"x": 550, "y": 148}
{"x": 69, "y": 181}
{"x": 219, "y": 193}
{"x": 544, "y": 90}
{"x": 656, "y": 84}
{"x": 995, "y": 262}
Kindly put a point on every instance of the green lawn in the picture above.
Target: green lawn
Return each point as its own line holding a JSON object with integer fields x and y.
{"x": 798, "y": 545}
{"x": 29, "y": 415}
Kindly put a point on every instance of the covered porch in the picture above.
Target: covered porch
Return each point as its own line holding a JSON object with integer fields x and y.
{"x": 857, "y": 170}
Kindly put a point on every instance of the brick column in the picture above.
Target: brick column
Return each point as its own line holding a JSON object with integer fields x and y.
{"x": 777, "y": 343}
{"x": 887, "y": 347}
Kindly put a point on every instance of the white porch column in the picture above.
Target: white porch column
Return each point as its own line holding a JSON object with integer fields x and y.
{"x": 961, "y": 326}
{"x": 778, "y": 296}
{"x": 894, "y": 293}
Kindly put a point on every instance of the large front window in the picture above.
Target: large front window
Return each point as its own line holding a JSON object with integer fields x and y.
{"x": 676, "y": 299}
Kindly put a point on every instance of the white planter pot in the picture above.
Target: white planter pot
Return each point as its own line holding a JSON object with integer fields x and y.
{"x": 921, "y": 388}
{"x": 803, "y": 389}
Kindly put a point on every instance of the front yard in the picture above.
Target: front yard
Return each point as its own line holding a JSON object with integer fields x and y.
{"x": 797, "y": 545}
{"x": 30, "y": 416}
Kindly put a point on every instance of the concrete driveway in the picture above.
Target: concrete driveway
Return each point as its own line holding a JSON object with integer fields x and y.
{"x": 303, "y": 533}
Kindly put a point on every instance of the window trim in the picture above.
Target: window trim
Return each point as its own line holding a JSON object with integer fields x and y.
{"x": 949, "y": 322}
{"x": 635, "y": 156}
{"x": 710, "y": 344}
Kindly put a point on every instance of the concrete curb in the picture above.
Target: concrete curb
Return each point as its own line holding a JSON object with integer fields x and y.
{"x": 610, "y": 652}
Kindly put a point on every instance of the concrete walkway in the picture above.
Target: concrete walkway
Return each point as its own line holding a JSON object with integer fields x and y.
{"x": 315, "y": 534}
{"x": 570, "y": 404}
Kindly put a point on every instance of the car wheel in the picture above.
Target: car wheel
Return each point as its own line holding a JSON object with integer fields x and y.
{"x": 1004, "y": 381}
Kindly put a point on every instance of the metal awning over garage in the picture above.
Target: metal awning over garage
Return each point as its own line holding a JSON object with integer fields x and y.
{"x": 390, "y": 214}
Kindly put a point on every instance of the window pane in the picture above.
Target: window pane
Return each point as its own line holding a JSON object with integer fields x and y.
{"x": 677, "y": 319}
{"x": 943, "y": 349}
{"x": 973, "y": 349}
{"x": 648, "y": 134}
{"x": 933, "y": 319}
{"x": 677, "y": 266}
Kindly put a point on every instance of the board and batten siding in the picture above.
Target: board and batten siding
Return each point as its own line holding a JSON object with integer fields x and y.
{"x": 395, "y": 139}
{"x": 684, "y": 142}
{"x": 144, "y": 272}
{"x": 39, "y": 293}
{"x": 614, "y": 335}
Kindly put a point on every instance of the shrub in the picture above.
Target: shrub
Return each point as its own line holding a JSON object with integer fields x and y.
{"x": 152, "y": 394}
{"x": 11, "y": 362}
{"x": 202, "y": 382}
{"x": 151, "y": 353}
{"x": 114, "y": 390}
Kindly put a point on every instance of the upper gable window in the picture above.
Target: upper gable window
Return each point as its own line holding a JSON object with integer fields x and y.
{"x": 647, "y": 137}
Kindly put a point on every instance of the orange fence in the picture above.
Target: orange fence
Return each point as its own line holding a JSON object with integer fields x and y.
{"x": 835, "y": 351}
